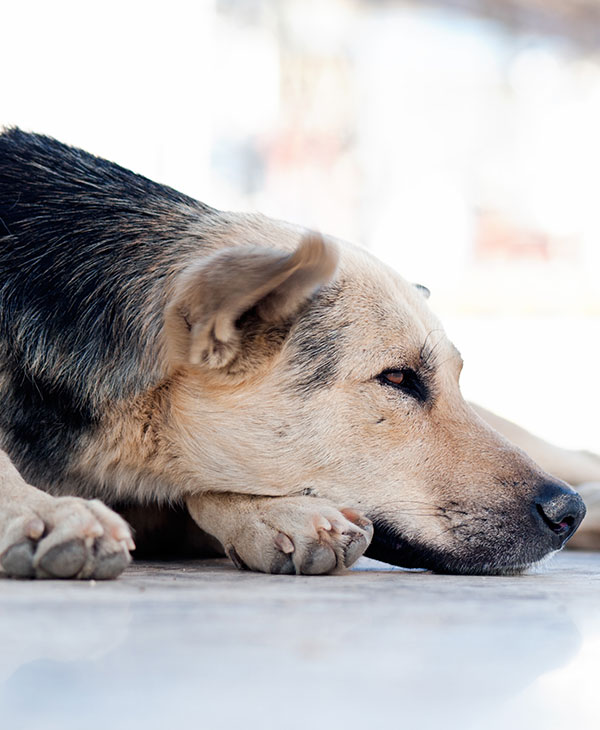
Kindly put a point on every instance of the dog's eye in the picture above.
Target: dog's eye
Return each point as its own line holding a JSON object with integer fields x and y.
{"x": 405, "y": 380}
{"x": 395, "y": 377}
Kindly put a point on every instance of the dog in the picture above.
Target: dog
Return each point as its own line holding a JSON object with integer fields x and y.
{"x": 236, "y": 384}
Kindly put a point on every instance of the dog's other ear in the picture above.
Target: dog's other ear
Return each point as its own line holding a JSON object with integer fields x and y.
{"x": 210, "y": 297}
{"x": 423, "y": 289}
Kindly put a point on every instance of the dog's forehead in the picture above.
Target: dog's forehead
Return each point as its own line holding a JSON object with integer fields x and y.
{"x": 382, "y": 297}
{"x": 366, "y": 320}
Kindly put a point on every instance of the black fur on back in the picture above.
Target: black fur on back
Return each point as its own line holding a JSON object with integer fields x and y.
{"x": 86, "y": 248}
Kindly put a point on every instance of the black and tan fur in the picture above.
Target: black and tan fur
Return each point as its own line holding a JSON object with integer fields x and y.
{"x": 155, "y": 352}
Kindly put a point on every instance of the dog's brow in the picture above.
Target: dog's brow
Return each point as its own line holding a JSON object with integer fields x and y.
{"x": 431, "y": 353}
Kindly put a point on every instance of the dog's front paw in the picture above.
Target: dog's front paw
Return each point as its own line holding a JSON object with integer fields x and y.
{"x": 302, "y": 535}
{"x": 63, "y": 537}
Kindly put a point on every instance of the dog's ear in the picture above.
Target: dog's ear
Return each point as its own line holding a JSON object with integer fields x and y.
{"x": 209, "y": 299}
{"x": 423, "y": 289}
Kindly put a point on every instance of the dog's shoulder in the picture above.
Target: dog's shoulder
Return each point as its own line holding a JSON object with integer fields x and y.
{"x": 85, "y": 249}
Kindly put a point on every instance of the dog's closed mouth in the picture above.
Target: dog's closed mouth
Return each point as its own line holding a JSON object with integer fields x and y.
{"x": 390, "y": 546}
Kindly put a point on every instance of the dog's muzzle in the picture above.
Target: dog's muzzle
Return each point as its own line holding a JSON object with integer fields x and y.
{"x": 517, "y": 539}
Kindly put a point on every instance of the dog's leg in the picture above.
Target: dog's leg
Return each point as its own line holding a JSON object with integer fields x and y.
{"x": 305, "y": 535}
{"x": 57, "y": 537}
{"x": 579, "y": 468}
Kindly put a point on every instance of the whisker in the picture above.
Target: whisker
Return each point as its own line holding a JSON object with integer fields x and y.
{"x": 451, "y": 527}
{"x": 408, "y": 505}
{"x": 426, "y": 352}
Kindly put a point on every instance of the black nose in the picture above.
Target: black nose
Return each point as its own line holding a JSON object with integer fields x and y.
{"x": 559, "y": 509}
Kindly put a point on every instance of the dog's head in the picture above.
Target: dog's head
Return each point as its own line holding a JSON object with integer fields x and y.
{"x": 312, "y": 368}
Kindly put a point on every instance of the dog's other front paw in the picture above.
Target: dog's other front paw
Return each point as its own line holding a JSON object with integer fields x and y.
{"x": 303, "y": 535}
{"x": 63, "y": 537}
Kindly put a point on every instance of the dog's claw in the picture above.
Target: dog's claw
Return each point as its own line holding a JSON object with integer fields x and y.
{"x": 283, "y": 543}
{"x": 355, "y": 548}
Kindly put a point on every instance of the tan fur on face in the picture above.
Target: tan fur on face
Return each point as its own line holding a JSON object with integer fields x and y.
{"x": 304, "y": 411}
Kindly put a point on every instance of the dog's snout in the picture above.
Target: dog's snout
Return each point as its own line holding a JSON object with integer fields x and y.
{"x": 559, "y": 509}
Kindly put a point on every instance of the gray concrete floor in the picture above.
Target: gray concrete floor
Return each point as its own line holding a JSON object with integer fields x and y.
{"x": 200, "y": 645}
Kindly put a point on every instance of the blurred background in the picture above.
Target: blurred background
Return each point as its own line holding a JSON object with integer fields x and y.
{"x": 457, "y": 140}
